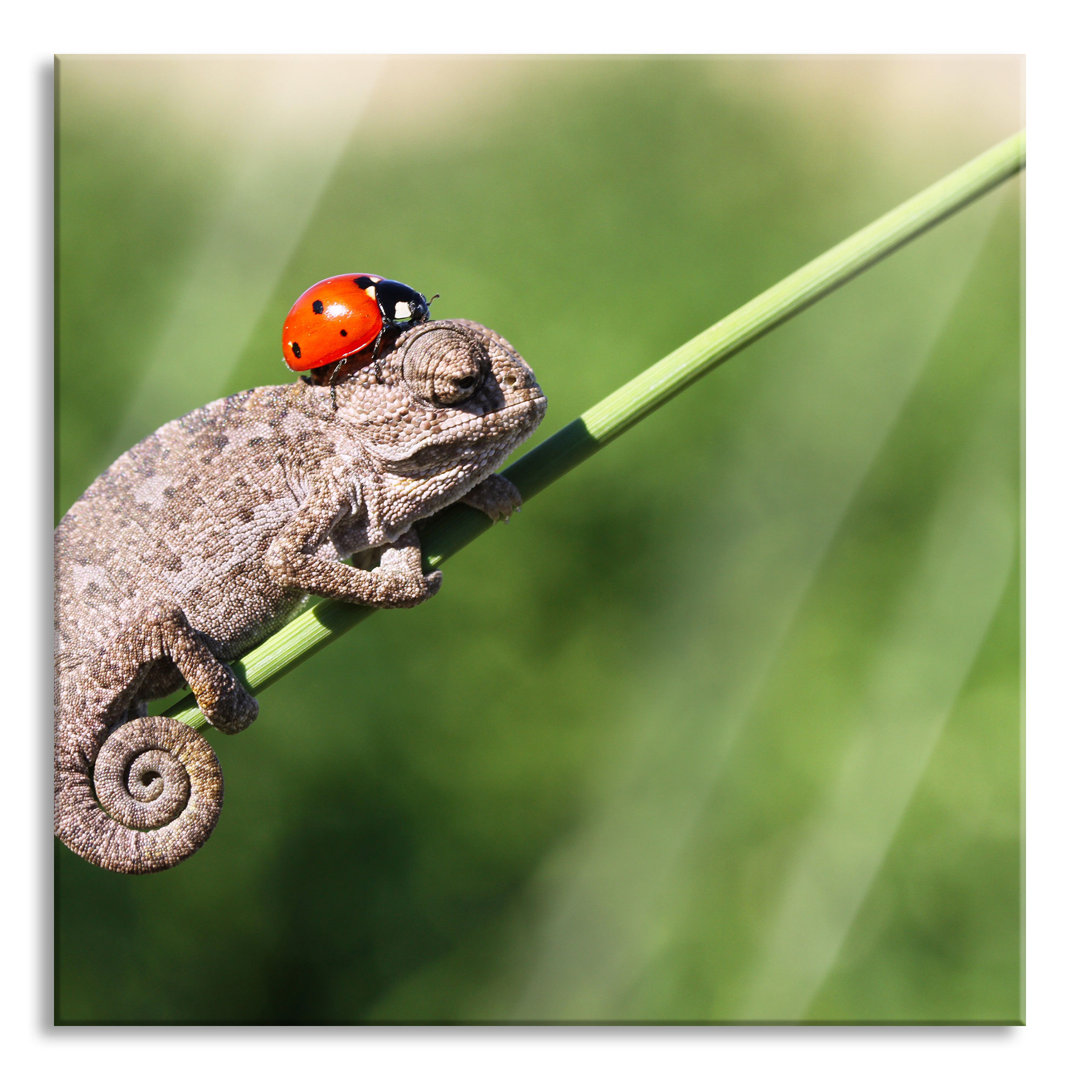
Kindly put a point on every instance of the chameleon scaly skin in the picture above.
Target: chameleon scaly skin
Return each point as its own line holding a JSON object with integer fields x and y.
{"x": 202, "y": 540}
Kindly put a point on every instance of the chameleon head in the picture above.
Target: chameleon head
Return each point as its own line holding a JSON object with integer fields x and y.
{"x": 447, "y": 391}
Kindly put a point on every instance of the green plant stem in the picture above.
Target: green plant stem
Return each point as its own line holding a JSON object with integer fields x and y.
{"x": 450, "y": 530}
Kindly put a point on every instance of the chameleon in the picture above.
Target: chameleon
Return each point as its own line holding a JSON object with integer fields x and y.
{"x": 206, "y": 537}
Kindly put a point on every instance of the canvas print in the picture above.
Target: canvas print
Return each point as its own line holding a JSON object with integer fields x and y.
{"x": 421, "y": 661}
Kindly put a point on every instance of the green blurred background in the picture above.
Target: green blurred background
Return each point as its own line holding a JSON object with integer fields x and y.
{"x": 726, "y": 725}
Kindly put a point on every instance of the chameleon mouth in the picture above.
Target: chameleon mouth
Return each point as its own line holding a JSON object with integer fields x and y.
{"x": 536, "y": 402}
{"x": 471, "y": 436}
{"x": 534, "y": 407}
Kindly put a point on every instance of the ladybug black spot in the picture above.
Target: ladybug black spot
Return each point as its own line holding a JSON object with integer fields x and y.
{"x": 295, "y": 349}
{"x": 317, "y": 307}
{"x": 363, "y": 282}
{"x": 344, "y": 333}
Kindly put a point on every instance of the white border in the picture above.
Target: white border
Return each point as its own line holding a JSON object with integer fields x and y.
{"x": 1053, "y": 600}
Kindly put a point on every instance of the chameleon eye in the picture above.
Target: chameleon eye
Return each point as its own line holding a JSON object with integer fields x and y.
{"x": 444, "y": 367}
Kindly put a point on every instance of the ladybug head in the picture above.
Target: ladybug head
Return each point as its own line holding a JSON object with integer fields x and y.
{"x": 400, "y": 303}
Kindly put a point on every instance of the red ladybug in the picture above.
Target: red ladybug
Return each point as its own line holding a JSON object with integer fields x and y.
{"x": 341, "y": 315}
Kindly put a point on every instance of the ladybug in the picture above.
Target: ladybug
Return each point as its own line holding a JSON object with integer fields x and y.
{"x": 342, "y": 315}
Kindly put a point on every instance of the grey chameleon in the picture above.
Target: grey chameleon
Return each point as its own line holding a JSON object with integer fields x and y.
{"x": 203, "y": 539}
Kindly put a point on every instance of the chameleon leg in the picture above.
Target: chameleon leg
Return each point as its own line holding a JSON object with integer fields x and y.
{"x": 397, "y": 581}
{"x": 495, "y": 496}
{"x": 165, "y": 633}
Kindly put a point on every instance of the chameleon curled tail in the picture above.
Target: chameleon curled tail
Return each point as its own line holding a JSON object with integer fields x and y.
{"x": 148, "y": 799}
